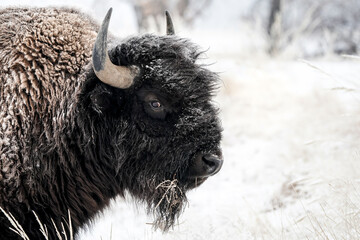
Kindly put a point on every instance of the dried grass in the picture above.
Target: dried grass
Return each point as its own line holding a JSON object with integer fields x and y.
{"x": 17, "y": 228}
{"x": 170, "y": 195}
{"x": 61, "y": 234}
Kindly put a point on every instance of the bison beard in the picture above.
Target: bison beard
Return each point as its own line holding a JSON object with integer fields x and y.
{"x": 70, "y": 141}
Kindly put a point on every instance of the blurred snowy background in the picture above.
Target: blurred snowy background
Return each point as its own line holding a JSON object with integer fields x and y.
{"x": 290, "y": 109}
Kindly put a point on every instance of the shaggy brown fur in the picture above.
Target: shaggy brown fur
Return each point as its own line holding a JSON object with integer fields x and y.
{"x": 70, "y": 142}
{"x": 42, "y": 52}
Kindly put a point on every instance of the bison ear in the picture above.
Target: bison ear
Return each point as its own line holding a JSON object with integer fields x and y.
{"x": 102, "y": 99}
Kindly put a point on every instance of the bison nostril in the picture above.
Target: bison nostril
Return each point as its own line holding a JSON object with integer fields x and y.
{"x": 213, "y": 163}
{"x": 209, "y": 163}
{"x": 205, "y": 166}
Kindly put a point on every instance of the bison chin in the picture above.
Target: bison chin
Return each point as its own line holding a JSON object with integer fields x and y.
{"x": 168, "y": 200}
{"x": 167, "y": 203}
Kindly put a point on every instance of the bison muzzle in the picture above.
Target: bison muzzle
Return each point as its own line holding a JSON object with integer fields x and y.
{"x": 85, "y": 118}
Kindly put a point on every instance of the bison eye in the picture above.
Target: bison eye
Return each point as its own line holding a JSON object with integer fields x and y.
{"x": 156, "y": 109}
{"x": 155, "y": 104}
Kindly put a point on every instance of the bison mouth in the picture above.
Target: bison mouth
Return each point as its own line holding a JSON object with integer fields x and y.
{"x": 195, "y": 182}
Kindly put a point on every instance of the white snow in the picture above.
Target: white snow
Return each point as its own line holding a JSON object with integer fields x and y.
{"x": 291, "y": 144}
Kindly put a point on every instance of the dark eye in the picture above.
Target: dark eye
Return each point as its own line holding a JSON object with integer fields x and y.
{"x": 155, "y": 104}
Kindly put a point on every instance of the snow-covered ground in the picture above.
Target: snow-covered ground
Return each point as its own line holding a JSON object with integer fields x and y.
{"x": 291, "y": 146}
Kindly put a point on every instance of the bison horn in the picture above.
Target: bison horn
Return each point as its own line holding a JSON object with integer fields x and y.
{"x": 105, "y": 70}
{"x": 169, "y": 24}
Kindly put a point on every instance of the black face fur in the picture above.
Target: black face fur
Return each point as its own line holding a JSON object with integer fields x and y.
{"x": 150, "y": 133}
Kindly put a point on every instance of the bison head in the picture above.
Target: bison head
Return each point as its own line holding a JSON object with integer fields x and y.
{"x": 153, "y": 126}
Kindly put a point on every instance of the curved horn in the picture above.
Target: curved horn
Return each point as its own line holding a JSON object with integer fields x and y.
{"x": 105, "y": 70}
{"x": 169, "y": 24}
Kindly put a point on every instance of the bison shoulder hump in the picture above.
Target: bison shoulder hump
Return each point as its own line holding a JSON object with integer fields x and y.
{"x": 46, "y": 39}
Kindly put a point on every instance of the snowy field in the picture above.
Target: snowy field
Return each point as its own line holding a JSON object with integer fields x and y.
{"x": 291, "y": 144}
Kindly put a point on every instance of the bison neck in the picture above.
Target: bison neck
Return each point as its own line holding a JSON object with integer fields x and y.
{"x": 72, "y": 173}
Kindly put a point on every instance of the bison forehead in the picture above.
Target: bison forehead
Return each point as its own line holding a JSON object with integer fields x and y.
{"x": 182, "y": 80}
{"x": 149, "y": 47}
{"x": 168, "y": 63}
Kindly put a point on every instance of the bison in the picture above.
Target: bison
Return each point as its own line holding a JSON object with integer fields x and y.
{"x": 81, "y": 122}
